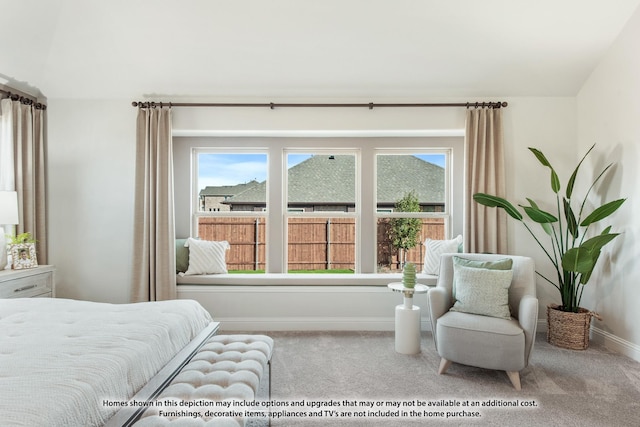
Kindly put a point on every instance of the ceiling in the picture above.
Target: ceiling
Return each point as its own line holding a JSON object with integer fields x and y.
{"x": 214, "y": 49}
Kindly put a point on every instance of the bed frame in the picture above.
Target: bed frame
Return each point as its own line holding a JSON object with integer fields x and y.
{"x": 127, "y": 416}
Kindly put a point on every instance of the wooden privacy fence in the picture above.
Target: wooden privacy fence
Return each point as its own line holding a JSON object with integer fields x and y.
{"x": 246, "y": 236}
{"x": 321, "y": 243}
{"x": 314, "y": 243}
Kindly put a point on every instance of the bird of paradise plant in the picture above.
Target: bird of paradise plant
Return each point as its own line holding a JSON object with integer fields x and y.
{"x": 572, "y": 254}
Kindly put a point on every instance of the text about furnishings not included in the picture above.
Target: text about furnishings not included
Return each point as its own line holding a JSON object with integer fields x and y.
{"x": 330, "y": 409}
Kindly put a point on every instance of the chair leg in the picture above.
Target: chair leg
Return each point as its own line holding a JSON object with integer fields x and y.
{"x": 444, "y": 365}
{"x": 514, "y": 376}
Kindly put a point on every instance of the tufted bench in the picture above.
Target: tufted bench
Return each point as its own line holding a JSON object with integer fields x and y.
{"x": 225, "y": 368}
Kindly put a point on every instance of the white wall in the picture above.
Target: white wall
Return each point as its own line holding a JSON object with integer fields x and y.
{"x": 91, "y": 150}
{"x": 548, "y": 124}
{"x": 91, "y": 169}
{"x": 608, "y": 108}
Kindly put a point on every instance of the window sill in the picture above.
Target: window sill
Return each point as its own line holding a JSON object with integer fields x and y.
{"x": 275, "y": 279}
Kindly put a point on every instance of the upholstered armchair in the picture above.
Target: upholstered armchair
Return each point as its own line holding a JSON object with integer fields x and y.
{"x": 504, "y": 342}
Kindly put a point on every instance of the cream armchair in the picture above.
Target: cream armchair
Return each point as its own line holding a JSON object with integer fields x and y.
{"x": 483, "y": 341}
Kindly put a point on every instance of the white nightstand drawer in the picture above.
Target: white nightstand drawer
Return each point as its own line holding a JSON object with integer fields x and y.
{"x": 33, "y": 285}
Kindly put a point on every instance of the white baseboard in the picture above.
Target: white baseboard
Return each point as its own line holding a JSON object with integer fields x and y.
{"x": 326, "y": 308}
{"x": 606, "y": 339}
{"x": 311, "y": 324}
{"x": 266, "y": 324}
{"x": 615, "y": 343}
{"x": 542, "y": 325}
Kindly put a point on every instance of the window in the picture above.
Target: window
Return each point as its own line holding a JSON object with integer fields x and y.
{"x": 232, "y": 204}
{"x": 411, "y": 205}
{"x": 322, "y": 211}
{"x": 288, "y": 204}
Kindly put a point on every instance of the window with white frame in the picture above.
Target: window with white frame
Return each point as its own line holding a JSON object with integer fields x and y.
{"x": 231, "y": 203}
{"x": 411, "y": 204}
{"x": 325, "y": 205}
{"x": 322, "y": 210}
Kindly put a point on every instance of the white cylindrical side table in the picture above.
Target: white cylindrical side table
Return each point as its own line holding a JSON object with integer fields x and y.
{"x": 407, "y": 319}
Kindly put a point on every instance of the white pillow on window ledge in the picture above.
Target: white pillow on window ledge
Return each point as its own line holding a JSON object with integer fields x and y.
{"x": 206, "y": 257}
{"x": 434, "y": 249}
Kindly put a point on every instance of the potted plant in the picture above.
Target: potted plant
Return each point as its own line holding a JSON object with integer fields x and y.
{"x": 572, "y": 253}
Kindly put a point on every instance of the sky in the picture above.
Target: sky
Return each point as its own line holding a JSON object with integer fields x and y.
{"x": 217, "y": 169}
{"x": 230, "y": 169}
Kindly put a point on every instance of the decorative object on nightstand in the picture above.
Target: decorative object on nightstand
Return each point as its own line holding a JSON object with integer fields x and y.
{"x": 8, "y": 216}
{"x": 23, "y": 251}
{"x": 407, "y": 335}
{"x": 28, "y": 283}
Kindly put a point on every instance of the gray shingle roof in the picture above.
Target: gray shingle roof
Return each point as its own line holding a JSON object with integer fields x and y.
{"x": 227, "y": 190}
{"x": 324, "y": 180}
{"x": 398, "y": 175}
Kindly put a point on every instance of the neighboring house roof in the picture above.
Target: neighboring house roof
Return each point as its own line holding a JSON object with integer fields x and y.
{"x": 398, "y": 175}
{"x": 323, "y": 179}
{"x": 227, "y": 190}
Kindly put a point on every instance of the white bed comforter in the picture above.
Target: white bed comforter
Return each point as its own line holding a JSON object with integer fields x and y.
{"x": 61, "y": 359}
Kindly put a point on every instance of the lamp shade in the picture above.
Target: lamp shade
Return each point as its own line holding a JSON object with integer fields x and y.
{"x": 8, "y": 207}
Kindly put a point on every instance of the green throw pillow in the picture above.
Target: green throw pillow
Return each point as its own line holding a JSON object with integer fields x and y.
{"x": 182, "y": 256}
{"x": 482, "y": 291}
{"x": 500, "y": 264}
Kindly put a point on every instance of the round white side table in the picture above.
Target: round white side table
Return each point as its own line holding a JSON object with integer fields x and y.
{"x": 407, "y": 319}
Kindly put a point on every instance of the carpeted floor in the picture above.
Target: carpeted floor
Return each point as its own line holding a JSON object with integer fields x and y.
{"x": 333, "y": 376}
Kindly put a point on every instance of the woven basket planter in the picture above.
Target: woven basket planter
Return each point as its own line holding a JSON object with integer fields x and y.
{"x": 567, "y": 329}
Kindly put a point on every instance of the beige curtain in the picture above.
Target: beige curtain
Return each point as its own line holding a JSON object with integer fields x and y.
{"x": 23, "y": 168}
{"x": 486, "y": 227}
{"x": 154, "y": 229}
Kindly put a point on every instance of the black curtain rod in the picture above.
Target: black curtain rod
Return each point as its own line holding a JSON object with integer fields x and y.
{"x": 27, "y": 100}
{"x": 273, "y": 105}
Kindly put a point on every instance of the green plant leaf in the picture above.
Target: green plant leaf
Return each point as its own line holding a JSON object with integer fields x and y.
{"x": 533, "y": 203}
{"x": 21, "y": 238}
{"x": 545, "y": 226}
{"x": 583, "y": 258}
{"x": 572, "y": 180}
{"x": 572, "y": 224}
{"x": 595, "y": 244}
{"x": 538, "y": 215}
{"x": 602, "y": 212}
{"x": 495, "y": 201}
{"x": 593, "y": 184}
{"x": 578, "y": 260}
{"x": 541, "y": 157}
{"x": 584, "y": 277}
{"x": 555, "y": 181}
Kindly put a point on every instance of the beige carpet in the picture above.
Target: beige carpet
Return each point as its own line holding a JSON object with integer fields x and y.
{"x": 594, "y": 387}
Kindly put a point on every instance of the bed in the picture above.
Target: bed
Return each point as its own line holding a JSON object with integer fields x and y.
{"x": 72, "y": 363}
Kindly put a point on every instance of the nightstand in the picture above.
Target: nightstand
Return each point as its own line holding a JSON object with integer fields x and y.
{"x": 34, "y": 282}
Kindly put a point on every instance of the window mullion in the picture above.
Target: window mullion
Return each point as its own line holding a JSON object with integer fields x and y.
{"x": 276, "y": 236}
{"x": 366, "y": 234}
